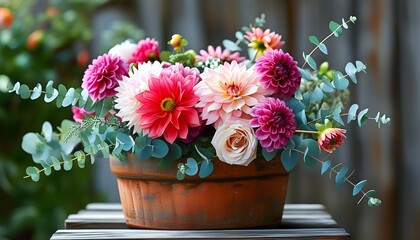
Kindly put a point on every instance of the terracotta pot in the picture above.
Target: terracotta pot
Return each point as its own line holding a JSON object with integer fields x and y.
{"x": 231, "y": 197}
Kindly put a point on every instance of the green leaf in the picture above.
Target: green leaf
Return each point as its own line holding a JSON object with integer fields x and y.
{"x": 305, "y": 74}
{"x": 47, "y": 167}
{"x": 289, "y": 159}
{"x": 268, "y": 155}
{"x": 68, "y": 163}
{"x": 340, "y": 82}
{"x": 314, "y": 40}
{"x": 164, "y": 55}
{"x": 374, "y": 202}
{"x": 92, "y": 159}
{"x": 104, "y": 149}
{"x": 184, "y": 42}
{"x": 102, "y": 107}
{"x": 361, "y": 117}
{"x": 358, "y": 187}
{"x": 335, "y": 28}
{"x": 146, "y": 152}
{"x": 351, "y": 71}
{"x": 30, "y": 142}
{"x": 337, "y": 117}
{"x": 353, "y": 19}
{"x": 192, "y": 167}
{"x": 311, "y": 62}
{"x": 370, "y": 193}
{"x": 69, "y": 97}
{"x": 50, "y": 92}
{"x": 239, "y": 35}
{"x": 47, "y": 131}
{"x": 15, "y": 88}
{"x": 231, "y": 46}
{"x": 36, "y": 92}
{"x": 24, "y": 91}
{"x": 323, "y": 48}
{"x": 206, "y": 168}
{"x": 325, "y": 166}
{"x": 126, "y": 142}
{"x": 352, "y": 112}
{"x": 81, "y": 158}
{"x": 56, "y": 163}
{"x": 180, "y": 175}
{"x": 33, "y": 172}
{"x": 343, "y": 22}
{"x": 316, "y": 95}
{"x": 308, "y": 159}
{"x": 174, "y": 153}
{"x": 160, "y": 148}
{"x": 340, "y": 178}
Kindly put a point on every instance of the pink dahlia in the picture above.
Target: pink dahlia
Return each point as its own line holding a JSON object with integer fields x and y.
{"x": 275, "y": 122}
{"x": 168, "y": 107}
{"x": 229, "y": 91}
{"x": 263, "y": 40}
{"x": 331, "y": 138}
{"x": 78, "y": 113}
{"x": 147, "y": 50}
{"x": 184, "y": 71}
{"x": 278, "y": 73}
{"x": 102, "y": 76}
{"x": 224, "y": 56}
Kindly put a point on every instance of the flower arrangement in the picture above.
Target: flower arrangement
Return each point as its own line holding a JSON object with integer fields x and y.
{"x": 215, "y": 105}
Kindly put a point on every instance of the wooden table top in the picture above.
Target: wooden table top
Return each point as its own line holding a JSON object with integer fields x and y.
{"x": 106, "y": 221}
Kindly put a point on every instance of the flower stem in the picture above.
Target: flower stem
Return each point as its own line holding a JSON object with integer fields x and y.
{"x": 306, "y": 131}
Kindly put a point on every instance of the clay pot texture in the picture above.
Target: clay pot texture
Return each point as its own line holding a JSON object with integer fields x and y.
{"x": 231, "y": 197}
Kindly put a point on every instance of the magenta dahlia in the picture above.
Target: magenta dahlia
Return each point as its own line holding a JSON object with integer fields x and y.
{"x": 278, "y": 72}
{"x": 147, "y": 50}
{"x": 275, "y": 123}
{"x": 102, "y": 76}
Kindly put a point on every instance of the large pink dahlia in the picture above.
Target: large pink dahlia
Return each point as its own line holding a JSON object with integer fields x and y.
{"x": 224, "y": 55}
{"x": 168, "y": 108}
{"x": 184, "y": 71}
{"x": 229, "y": 91}
{"x": 102, "y": 76}
{"x": 278, "y": 73}
{"x": 275, "y": 123}
{"x": 147, "y": 50}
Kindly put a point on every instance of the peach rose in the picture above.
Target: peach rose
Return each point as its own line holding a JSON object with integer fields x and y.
{"x": 235, "y": 143}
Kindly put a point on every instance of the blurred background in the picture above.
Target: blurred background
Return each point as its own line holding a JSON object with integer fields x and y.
{"x": 53, "y": 39}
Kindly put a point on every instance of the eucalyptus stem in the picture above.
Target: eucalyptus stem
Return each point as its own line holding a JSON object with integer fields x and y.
{"x": 325, "y": 39}
{"x": 305, "y": 131}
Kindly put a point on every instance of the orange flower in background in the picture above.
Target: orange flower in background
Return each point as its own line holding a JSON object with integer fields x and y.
{"x": 6, "y": 17}
{"x": 331, "y": 138}
{"x": 34, "y": 39}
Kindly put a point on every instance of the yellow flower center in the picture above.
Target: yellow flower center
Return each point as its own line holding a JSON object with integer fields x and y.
{"x": 167, "y": 104}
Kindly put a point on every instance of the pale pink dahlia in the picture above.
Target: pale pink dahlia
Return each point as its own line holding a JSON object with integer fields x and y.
{"x": 263, "y": 40}
{"x": 184, "y": 71}
{"x": 168, "y": 108}
{"x": 331, "y": 138}
{"x": 229, "y": 91}
{"x": 278, "y": 73}
{"x": 136, "y": 82}
{"x": 225, "y": 55}
{"x": 147, "y": 50}
{"x": 78, "y": 113}
{"x": 102, "y": 76}
{"x": 275, "y": 123}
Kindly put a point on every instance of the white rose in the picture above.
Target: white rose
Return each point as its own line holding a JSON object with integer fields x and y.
{"x": 235, "y": 143}
{"x": 123, "y": 50}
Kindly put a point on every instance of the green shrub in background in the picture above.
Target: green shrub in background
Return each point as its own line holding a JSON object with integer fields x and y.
{"x": 46, "y": 40}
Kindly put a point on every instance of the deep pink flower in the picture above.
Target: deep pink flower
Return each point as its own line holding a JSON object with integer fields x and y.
{"x": 278, "y": 72}
{"x": 78, "y": 113}
{"x": 331, "y": 138}
{"x": 147, "y": 50}
{"x": 167, "y": 108}
{"x": 225, "y": 55}
{"x": 102, "y": 76}
{"x": 275, "y": 123}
